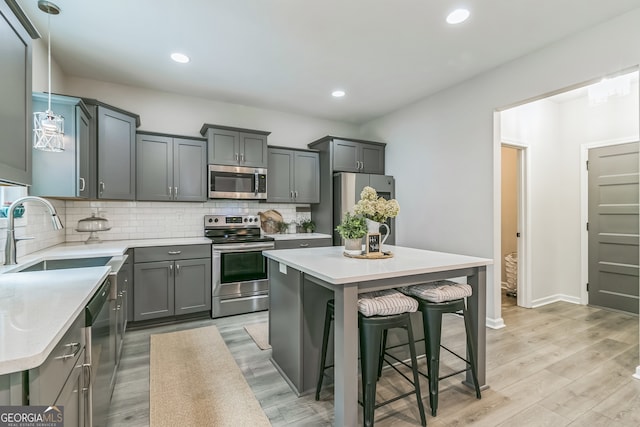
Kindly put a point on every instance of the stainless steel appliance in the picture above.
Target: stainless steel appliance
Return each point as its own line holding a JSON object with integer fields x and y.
{"x": 100, "y": 354}
{"x": 346, "y": 193}
{"x": 239, "y": 271}
{"x": 237, "y": 182}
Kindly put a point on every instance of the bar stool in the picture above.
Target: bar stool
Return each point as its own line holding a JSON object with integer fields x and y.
{"x": 377, "y": 313}
{"x": 435, "y": 299}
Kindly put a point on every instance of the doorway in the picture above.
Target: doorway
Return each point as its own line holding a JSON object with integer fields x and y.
{"x": 514, "y": 225}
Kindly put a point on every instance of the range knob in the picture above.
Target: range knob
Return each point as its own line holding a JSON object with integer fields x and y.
{"x": 210, "y": 220}
{"x": 246, "y": 219}
{"x": 216, "y": 220}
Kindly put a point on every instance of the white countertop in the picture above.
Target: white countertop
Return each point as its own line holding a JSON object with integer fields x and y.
{"x": 297, "y": 236}
{"x": 37, "y": 308}
{"x": 329, "y": 263}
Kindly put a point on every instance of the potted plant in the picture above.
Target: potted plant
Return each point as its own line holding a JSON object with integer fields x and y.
{"x": 308, "y": 225}
{"x": 352, "y": 229}
{"x": 281, "y": 227}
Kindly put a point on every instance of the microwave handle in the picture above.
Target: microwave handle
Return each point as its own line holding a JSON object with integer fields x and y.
{"x": 256, "y": 183}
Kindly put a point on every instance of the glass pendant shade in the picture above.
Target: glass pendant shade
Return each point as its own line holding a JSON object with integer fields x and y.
{"x": 48, "y": 131}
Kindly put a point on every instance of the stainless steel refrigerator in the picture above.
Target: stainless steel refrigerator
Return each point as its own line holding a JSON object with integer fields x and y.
{"x": 346, "y": 193}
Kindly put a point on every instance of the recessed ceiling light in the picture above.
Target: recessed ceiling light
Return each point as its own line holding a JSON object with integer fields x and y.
{"x": 458, "y": 16}
{"x": 338, "y": 93}
{"x": 180, "y": 57}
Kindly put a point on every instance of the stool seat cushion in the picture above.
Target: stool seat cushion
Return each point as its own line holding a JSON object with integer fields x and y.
{"x": 385, "y": 303}
{"x": 440, "y": 291}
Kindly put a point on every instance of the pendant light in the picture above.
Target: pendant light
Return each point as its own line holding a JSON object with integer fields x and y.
{"x": 48, "y": 127}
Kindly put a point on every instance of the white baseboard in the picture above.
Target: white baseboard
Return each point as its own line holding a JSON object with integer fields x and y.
{"x": 637, "y": 374}
{"x": 495, "y": 323}
{"x": 555, "y": 298}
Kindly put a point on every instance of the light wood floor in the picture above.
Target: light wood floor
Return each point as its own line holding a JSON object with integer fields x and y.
{"x": 557, "y": 365}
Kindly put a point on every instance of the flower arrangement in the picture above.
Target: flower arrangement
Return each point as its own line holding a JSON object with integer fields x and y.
{"x": 374, "y": 207}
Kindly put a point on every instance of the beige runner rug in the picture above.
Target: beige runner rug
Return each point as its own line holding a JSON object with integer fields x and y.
{"x": 194, "y": 381}
{"x": 259, "y": 332}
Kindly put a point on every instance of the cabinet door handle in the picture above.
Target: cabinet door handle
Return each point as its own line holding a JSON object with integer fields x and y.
{"x": 170, "y": 192}
{"x": 304, "y": 245}
{"x": 82, "y": 184}
{"x": 75, "y": 346}
{"x": 291, "y": 193}
{"x": 242, "y": 158}
{"x": 177, "y": 269}
{"x": 174, "y": 252}
{"x": 102, "y": 187}
{"x": 296, "y": 194}
{"x": 175, "y": 192}
{"x": 170, "y": 269}
{"x": 235, "y": 157}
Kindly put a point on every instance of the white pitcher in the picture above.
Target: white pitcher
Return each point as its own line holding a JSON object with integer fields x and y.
{"x": 374, "y": 227}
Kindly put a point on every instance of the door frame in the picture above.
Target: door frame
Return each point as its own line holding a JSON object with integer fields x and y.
{"x": 584, "y": 208}
{"x": 524, "y": 291}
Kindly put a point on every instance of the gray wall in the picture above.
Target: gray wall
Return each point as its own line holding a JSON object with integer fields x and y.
{"x": 442, "y": 149}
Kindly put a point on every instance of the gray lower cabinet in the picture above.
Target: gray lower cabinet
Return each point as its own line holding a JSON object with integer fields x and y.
{"x": 60, "y": 380}
{"x": 171, "y": 281}
{"x": 235, "y": 146}
{"x": 294, "y": 176}
{"x": 170, "y": 168}
{"x": 303, "y": 243}
{"x": 64, "y": 174}
{"x": 15, "y": 101}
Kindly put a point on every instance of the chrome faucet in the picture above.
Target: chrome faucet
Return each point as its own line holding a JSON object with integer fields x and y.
{"x": 10, "y": 245}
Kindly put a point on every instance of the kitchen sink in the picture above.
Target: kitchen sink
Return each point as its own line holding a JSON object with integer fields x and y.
{"x": 58, "y": 264}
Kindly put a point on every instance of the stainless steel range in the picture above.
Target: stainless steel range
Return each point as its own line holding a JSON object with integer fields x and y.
{"x": 239, "y": 271}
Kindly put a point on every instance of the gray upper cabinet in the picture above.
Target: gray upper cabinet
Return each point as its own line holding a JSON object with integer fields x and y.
{"x": 169, "y": 168}
{"x": 235, "y": 146}
{"x": 116, "y": 155}
{"x": 354, "y": 156}
{"x": 65, "y": 174}
{"x": 112, "y": 154}
{"x": 15, "y": 99}
{"x": 294, "y": 176}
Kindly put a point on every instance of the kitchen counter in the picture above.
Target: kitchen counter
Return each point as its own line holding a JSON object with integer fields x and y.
{"x": 296, "y": 236}
{"x": 37, "y": 308}
{"x": 302, "y": 280}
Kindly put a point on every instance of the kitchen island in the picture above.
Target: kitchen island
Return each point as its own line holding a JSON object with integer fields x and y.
{"x": 301, "y": 281}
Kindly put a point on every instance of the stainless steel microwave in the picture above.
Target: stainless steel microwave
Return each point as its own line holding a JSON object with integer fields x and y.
{"x": 237, "y": 182}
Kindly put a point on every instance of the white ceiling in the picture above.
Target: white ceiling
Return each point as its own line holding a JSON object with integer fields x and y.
{"x": 289, "y": 55}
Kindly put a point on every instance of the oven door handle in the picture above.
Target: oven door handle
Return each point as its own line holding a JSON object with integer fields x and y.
{"x": 243, "y": 247}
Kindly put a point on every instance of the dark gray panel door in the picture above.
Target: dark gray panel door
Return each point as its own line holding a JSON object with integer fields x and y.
{"x": 189, "y": 170}
{"x": 223, "y": 146}
{"x": 192, "y": 286}
{"x": 280, "y": 179}
{"x": 253, "y": 150}
{"x": 306, "y": 177}
{"x": 83, "y": 136}
{"x": 613, "y": 227}
{"x": 116, "y": 155}
{"x": 372, "y": 157}
{"x": 345, "y": 156}
{"x": 15, "y": 99}
{"x": 153, "y": 292}
{"x": 154, "y": 167}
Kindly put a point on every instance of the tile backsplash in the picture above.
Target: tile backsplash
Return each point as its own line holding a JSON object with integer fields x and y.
{"x": 130, "y": 220}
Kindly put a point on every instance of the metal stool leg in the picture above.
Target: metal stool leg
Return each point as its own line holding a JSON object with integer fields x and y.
{"x": 328, "y": 318}
{"x": 432, "y": 330}
{"x": 472, "y": 352}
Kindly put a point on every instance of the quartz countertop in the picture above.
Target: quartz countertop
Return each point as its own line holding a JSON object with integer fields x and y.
{"x": 297, "y": 236}
{"x": 329, "y": 263}
{"x": 37, "y": 308}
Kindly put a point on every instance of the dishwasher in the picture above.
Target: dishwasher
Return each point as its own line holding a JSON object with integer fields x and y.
{"x": 100, "y": 354}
